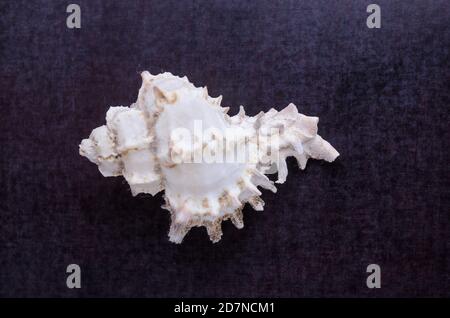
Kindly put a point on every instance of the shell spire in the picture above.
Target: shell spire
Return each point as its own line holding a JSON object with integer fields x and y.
{"x": 177, "y": 138}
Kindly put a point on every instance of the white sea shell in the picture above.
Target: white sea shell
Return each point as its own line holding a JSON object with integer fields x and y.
{"x": 177, "y": 138}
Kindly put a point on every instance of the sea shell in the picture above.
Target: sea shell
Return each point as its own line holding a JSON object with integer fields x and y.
{"x": 177, "y": 138}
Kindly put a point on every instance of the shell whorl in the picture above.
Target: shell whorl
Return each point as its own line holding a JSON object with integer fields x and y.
{"x": 138, "y": 143}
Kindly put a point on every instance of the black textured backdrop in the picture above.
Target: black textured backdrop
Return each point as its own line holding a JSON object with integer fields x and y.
{"x": 382, "y": 96}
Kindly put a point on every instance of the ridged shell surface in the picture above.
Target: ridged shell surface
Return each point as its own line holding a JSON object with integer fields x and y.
{"x": 176, "y": 138}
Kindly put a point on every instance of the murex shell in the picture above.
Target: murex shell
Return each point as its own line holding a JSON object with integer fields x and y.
{"x": 160, "y": 143}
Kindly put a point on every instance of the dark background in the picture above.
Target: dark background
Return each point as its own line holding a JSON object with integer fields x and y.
{"x": 382, "y": 96}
